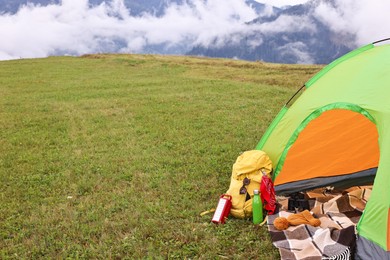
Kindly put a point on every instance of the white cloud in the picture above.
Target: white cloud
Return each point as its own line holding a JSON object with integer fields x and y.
{"x": 298, "y": 50}
{"x": 367, "y": 20}
{"x": 286, "y": 23}
{"x": 75, "y": 28}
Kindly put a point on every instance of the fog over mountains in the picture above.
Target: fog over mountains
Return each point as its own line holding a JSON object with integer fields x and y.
{"x": 315, "y": 32}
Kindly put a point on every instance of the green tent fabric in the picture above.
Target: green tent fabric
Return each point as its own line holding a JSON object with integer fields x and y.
{"x": 343, "y": 118}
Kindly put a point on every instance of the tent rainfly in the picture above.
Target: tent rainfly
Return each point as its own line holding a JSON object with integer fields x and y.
{"x": 337, "y": 133}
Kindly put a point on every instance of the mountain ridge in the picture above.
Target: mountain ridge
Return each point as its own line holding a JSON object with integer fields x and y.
{"x": 293, "y": 34}
{"x": 318, "y": 45}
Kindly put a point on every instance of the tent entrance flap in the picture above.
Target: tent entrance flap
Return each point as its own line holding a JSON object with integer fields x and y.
{"x": 337, "y": 142}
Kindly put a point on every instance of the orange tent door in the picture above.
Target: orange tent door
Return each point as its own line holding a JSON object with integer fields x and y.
{"x": 338, "y": 142}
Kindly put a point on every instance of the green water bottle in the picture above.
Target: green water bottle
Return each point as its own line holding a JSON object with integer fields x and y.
{"x": 257, "y": 208}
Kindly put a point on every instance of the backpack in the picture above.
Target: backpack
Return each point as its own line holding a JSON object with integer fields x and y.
{"x": 246, "y": 177}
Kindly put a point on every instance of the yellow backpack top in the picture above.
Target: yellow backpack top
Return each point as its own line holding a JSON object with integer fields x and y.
{"x": 246, "y": 177}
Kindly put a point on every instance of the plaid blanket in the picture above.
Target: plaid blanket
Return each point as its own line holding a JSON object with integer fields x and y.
{"x": 339, "y": 213}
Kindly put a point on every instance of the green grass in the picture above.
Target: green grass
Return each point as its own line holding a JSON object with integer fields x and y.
{"x": 115, "y": 156}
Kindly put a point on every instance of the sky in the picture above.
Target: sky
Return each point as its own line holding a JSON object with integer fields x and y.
{"x": 75, "y": 28}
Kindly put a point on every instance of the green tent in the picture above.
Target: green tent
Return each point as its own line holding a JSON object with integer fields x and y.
{"x": 337, "y": 132}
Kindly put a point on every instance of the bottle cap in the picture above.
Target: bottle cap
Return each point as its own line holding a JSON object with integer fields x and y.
{"x": 256, "y": 192}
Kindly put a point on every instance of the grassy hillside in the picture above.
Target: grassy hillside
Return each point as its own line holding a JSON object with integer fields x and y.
{"x": 115, "y": 156}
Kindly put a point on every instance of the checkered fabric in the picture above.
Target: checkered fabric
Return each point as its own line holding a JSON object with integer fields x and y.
{"x": 335, "y": 239}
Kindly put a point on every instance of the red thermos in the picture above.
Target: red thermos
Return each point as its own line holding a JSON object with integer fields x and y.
{"x": 223, "y": 209}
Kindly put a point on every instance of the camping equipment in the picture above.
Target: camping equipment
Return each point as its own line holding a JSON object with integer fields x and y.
{"x": 246, "y": 177}
{"x": 257, "y": 208}
{"x": 297, "y": 202}
{"x": 223, "y": 209}
{"x": 335, "y": 238}
{"x": 337, "y": 133}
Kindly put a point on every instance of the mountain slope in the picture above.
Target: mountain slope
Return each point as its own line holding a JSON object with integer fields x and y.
{"x": 291, "y": 35}
{"x": 294, "y": 34}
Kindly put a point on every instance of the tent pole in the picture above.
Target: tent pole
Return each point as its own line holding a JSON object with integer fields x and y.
{"x": 293, "y": 96}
